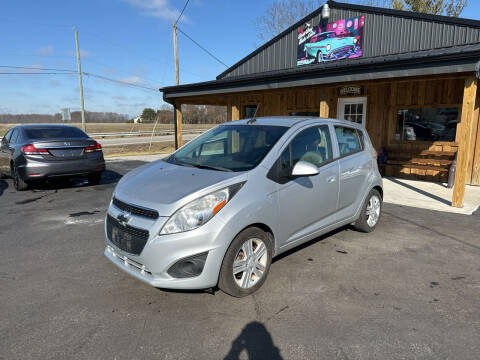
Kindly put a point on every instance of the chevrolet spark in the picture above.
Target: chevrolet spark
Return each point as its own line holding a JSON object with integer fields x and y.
{"x": 216, "y": 212}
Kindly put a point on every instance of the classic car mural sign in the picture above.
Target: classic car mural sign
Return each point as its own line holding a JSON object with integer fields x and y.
{"x": 334, "y": 41}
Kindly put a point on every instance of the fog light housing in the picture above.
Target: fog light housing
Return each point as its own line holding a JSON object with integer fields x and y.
{"x": 188, "y": 267}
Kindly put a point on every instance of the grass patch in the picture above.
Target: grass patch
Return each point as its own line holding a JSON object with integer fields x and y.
{"x": 139, "y": 149}
{"x": 93, "y": 128}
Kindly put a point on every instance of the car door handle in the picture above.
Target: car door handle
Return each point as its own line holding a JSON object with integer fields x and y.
{"x": 331, "y": 179}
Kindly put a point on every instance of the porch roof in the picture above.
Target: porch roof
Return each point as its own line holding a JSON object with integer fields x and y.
{"x": 454, "y": 59}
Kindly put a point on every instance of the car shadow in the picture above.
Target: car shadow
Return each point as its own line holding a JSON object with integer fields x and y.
{"x": 3, "y": 186}
{"x": 310, "y": 242}
{"x": 256, "y": 341}
{"x": 108, "y": 177}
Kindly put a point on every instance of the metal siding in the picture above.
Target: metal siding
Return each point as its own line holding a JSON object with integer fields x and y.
{"x": 383, "y": 35}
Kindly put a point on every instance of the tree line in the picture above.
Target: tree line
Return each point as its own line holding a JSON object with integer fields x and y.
{"x": 191, "y": 114}
{"x": 90, "y": 116}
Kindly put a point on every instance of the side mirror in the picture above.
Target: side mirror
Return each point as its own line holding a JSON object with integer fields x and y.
{"x": 303, "y": 168}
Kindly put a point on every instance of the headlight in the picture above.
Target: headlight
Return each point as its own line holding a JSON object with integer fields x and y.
{"x": 199, "y": 211}
{"x": 328, "y": 47}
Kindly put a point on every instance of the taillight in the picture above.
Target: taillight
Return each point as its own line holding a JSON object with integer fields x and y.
{"x": 93, "y": 148}
{"x": 30, "y": 149}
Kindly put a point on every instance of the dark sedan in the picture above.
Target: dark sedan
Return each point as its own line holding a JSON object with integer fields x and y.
{"x": 40, "y": 152}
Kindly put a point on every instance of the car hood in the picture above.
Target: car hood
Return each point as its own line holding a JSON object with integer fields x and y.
{"x": 166, "y": 187}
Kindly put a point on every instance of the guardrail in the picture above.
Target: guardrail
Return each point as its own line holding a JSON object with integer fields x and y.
{"x": 142, "y": 133}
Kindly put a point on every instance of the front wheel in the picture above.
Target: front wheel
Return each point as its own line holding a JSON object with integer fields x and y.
{"x": 246, "y": 263}
{"x": 371, "y": 212}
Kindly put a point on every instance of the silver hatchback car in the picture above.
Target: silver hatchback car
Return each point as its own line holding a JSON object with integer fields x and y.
{"x": 222, "y": 206}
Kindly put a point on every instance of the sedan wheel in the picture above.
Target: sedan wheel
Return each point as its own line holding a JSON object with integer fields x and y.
{"x": 18, "y": 183}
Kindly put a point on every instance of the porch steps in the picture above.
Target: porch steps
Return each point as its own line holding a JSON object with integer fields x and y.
{"x": 430, "y": 165}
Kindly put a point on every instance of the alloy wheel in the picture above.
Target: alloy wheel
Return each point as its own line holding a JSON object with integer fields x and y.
{"x": 373, "y": 210}
{"x": 250, "y": 263}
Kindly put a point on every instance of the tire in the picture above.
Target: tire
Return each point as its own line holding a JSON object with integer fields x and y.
{"x": 18, "y": 183}
{"x": 368, "y": 220}
{"x": 94, "y": 179}
{"x": 246, "y": 282}
{"x": 319, "y": 57}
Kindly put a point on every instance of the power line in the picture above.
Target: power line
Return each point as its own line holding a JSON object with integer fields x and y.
{"x": 33, "y": 68}
{"x": 119, "y": 81}
{"x": 201, "y": 47}
{"x": 34, "y": 73}
{"x": 122, "y": 71}
{"x": 181, "y": 13}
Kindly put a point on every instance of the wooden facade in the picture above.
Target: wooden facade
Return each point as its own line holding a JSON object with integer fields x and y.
{"x": 398, "y": 77}
{"x": 424, "y": 160}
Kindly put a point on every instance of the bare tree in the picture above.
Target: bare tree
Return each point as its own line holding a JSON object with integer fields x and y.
{"x": 283, "y": 13}
{"x": 435, "y": 7}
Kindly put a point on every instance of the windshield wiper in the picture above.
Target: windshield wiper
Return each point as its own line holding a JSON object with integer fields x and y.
{"x": 218, "y": 168}
{"x": 200, "y": 166}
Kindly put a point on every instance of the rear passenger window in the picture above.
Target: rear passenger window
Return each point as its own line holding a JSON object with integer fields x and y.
{"x": 13, "y": 139}
{"x": 348, "y": 140}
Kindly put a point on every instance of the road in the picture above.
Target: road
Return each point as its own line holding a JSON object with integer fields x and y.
{"x": 132, "y": 140}
{"x": 410, "y": 290}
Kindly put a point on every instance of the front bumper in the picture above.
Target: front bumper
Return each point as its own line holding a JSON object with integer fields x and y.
{"x": 163, "y": 251}
{"x": 38, "y": 169}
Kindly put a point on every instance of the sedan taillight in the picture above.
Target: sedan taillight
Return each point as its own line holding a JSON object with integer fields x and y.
{"x": 93, "y": 148}
{"x": 30, "y": 149}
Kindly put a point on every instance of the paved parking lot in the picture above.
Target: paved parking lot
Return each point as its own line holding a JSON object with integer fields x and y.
{"x": 410, "y": 290}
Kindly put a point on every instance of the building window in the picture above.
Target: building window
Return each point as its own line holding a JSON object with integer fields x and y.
{"x": 250, "y": 111}
{"x": 427, "y": 124}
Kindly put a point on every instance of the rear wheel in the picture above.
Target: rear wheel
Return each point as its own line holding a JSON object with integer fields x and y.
{"x": 319, "y": 57}
{"x": 18, "y": 183}
{"x": 247, "y": 262}
{"x": 372, "y": 209}
{"x": 94, "y": 179}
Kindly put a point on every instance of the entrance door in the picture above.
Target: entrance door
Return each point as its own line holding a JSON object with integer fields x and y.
{"x": 352, "y": 109}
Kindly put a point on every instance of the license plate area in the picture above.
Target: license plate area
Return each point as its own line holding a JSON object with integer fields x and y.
{"x": 126, "y": 237}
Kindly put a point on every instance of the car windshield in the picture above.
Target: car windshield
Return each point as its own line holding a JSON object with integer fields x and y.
{"x": 229, "y": 147}
{"x": 55, "y": 132}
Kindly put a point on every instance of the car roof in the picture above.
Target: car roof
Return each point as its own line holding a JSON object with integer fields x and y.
{"x": 289, "y": 121}
{"x": 30, "y": 126}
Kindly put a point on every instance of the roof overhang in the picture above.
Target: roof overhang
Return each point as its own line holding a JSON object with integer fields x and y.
{"x": 431, "y": 62}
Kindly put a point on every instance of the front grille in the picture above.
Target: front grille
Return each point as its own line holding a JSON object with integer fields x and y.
{"x": 135, "y": 210}
{"x": 126, "y": 237}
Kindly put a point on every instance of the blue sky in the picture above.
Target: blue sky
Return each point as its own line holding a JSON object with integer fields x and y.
{"x": 126, "y": 40}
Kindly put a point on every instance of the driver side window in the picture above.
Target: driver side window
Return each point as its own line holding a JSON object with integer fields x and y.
{"x": 312, "y": 145}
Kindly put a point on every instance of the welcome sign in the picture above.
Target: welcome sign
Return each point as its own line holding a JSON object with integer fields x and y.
{"x": 338, "y": 40}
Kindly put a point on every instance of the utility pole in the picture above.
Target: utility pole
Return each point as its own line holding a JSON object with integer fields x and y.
{"x": 178, "y": 134}
{"x": 175, "y": 53}
{"x": 84, "y": 126}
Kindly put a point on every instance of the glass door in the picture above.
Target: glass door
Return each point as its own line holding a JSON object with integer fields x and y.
{"x": 352, "y": 109}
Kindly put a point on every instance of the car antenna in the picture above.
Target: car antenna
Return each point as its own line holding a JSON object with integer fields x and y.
{"x": 254, "y": 118}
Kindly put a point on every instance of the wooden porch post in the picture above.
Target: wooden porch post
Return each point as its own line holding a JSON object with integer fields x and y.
{"x": 468, "y": 109}
{"x": 233, "y": 111}
{"x": 324, "y": 108}
{"x": 177, "y": 122}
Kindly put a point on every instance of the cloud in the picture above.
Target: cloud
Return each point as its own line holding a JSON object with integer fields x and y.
{"x": 83, "y": 53}
{"x": 119, "y": 97}
{"x": 133, "y": 80}
{"x": 46, "y": 50}
{"x": 156, "y": 8}
{"x": 54, "y": 83}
